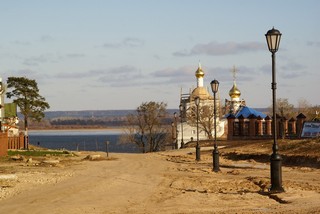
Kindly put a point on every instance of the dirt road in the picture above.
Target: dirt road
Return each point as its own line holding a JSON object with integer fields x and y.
{"x": 167, "y": 182}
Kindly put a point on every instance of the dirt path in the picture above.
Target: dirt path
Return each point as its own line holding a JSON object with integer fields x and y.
{"x": 169, "y": 182}
{"x": 96, "y": 187}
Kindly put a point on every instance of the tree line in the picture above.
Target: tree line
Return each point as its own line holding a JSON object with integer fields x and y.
{"x": 87, "y": 122}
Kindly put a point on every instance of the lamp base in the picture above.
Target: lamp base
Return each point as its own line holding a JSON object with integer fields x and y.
{"x": 215, "y": 157}
{"x": 197, "y": 153}
{"x": 276, "y": 174}
{"x": 182, "y": 145}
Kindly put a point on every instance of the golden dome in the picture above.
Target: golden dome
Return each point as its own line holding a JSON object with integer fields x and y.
{"x": 202, "y": 93}
{"x": 234, "y": 92}
{"x": 199, "y": 72}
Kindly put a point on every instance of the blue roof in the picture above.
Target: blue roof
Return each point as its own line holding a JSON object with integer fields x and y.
{"x": 245, "y": 111}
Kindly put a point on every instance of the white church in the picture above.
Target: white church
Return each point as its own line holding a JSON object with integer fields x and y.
{"x": 187, "y": 130}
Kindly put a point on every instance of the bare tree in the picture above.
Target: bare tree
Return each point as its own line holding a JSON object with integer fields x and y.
{"x": 286, "y": 111}
{"x": 148, "y": 128}
{"x": 206, "y": 117}
{"x": 284, "y": 108}
{"x": 307, "y": 109}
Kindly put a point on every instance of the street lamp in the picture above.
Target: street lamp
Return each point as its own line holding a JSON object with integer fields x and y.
{"x": 176, "y": 129}
{"x": 181, "y": 121}
{"x": 173, "y": 135}
{"x": 215, "y": 153}
{"x": 197, "y": 102}
{"x": 273, "y": 37}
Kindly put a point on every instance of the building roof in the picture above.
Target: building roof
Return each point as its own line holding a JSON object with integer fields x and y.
{"x": 202, "y": 93}
{"x": 245, "y": 111}
{"x": 234, "y": 91}
{"x": 199, "y": 72}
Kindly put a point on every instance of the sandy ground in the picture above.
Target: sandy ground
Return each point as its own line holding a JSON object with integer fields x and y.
{"x": 164, "y": 182}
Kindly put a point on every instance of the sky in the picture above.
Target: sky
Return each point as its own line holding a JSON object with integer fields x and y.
{"x": 117, "y": 54}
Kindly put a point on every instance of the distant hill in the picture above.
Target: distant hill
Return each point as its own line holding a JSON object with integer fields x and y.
{"x": 87, "y": 114}
{"x": 84, "y": 119}
{"x": 92, "y": 113}
{"x": 106, "y": 113}
{"x": 91, "y": 119}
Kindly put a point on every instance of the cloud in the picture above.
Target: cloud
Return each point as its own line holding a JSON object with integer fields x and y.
{"x": 291, "y": 70}
{"x": 292, "y": 75}
{"x": 225, "y": 74}
{"x": 80, "y": 75}
{"x": 125, "y": 43}
{"x": 313, "y": 43}
{"x": 174, "y": 72}
{"x": 111, "y": 45}
{"x": 186, "y": 74}
{"x": 133, "y": 42}
{"x": 156, "y": 56}
{"x": 122, "y": 76}
{"x": 22, "y": 43}
{"x": 50, "y": 58}
{"x": 266, "y": 69}
{"x": 28, "y": 73}
{"x": 75, "y": 55}
{"x": 35, "y": 61}
{"x": 22, "y": 72}
{"x": 219, "y": 49}
{"x": 43, "y": 58}
{"x": 293, "y": 66}
{"x": 180, "y": 75}
{"x": 46, "y": 38}
{"x": 72, "y": 75}
{"x": 115, "y": 77}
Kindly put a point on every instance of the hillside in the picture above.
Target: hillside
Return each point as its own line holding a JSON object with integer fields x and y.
{"x": 88, "y": 119}
{"x": 84, "y": 119}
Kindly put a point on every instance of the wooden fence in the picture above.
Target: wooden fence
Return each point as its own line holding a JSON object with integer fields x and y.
{"x": 11, "y": 142}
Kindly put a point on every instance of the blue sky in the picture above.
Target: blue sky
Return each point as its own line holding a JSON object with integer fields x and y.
{"x": 96, "y": 55}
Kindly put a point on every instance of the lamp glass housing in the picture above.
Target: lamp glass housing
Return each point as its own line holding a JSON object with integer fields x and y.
{"x": 214, "y": 85}
{"x": 273, "y": 37}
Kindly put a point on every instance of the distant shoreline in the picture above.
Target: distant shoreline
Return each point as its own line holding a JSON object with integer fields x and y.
{"x": 74, "y": 128}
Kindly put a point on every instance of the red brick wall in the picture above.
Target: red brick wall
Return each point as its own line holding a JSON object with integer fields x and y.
{"x": 3, "y": 144}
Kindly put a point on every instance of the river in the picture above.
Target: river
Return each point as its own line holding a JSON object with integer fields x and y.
{"x": 81, "y": 140}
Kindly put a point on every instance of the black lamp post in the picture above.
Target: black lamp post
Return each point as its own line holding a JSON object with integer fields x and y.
{"x": 181, "y": 121}
{"x": 197, "y": 102}
{"x": 273, "y": 37}
{"x": 176, "y": 130}
{"x": 215, "y": 153}
{"x": 173, "y": 135}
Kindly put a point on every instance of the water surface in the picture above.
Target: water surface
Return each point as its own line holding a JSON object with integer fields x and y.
{"x": 81, "y": 140}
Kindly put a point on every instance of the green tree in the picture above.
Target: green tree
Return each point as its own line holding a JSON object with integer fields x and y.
{"x": 148, "y": 127}
{"x": 25, "y": 94}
